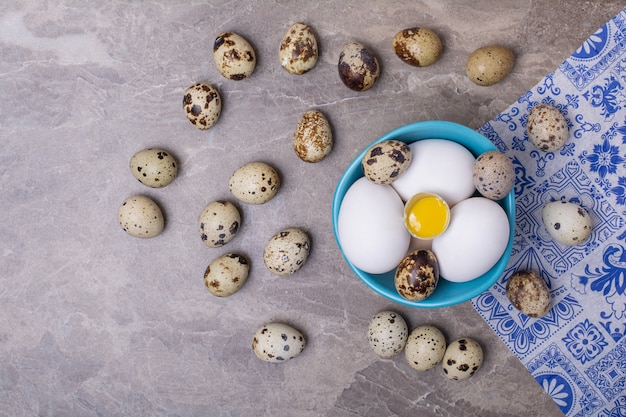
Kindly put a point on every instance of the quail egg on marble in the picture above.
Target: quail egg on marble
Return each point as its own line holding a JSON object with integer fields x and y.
{"x": 226, "y": 274}
{"x": 298, "y": 49}
{"x": 528, "y": 293}
{"x": 462, "y": 359}
{"x": 313, "y": 139}
{"x": 418, "y": 47}
{"x": 277, "y": 342}
{"x": 140, "y": 216}
{"x": 386, "y": 161}
{"x": 287, "y": 251}
{"x": 358, "y": 67}
{"x": 254, "y": 183}
{"x": 425, "y": 348}
{"x": 493, "y": 175}
{"x": 387, "y": 334}
{"x": 417, "y": 275}
{"x": 154, "y": 167}
{"x": 203, "y": 105}
{"x": 568, "y": 223}
{"x": 489, "y": 65}
{"x": 547, "y": 128}
{"x": 219, "y": 223}
{"x": 233, "y": 55}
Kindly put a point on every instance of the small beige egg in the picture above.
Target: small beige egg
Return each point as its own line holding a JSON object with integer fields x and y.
{"x": 254, "y": 183}
{"x": 140, "y": 216}
{"x": 313, "y": 139}
{"x": 462, "y": 359}
{"x": 202, "y": 105}
{"x": 387, "y": 334}
{"x": 489, "y": 65}
{"x": 566, "y": 222}
{"x": 233, "y": 55}
{"x": 425, "y": 348}
{"x": 386, "y": 161}
{"x": 287, "y": 251}
{"x": 226, "y": 275}
{"x": 219, "y": 223}
{"x": 358, "y": 67}
{"x": 547, "y": 128}
{"x": 418, "y": 47}
{"x": 277, "y": 342}
{"x": 417, "y": 275}
{"x": 493, "y": 175}
{"x": 298, "y": 51}
{"x": 528, "y": 293}
{"x": 154, "y": 167}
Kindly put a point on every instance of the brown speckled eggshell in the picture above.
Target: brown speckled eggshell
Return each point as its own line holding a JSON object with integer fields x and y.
{"x": 547, "y": 128}
{"x": 226, "y": 274}
{"x": 462, "y": 359}
{"x": 568, "y": 223}
{"x": 386, "y": 161}
{"x": 140, "y": 216}
{"x": 528, "y": 293}
{"x": 425, "y": 348}
{"x": 489, "y": 65}
{"x": 298, "y": 50}
{"x": 202, "y": 105}
{"x": 254, "y": 183}
{"x": 417, "y": 275}
{"x": 219, "y": 223}
{"x": 233, "y": 55}
{"x": 287, "y": 251}
{"x": 154, "y": 167}
{"x": 358, "y": 67}
{"x": 493, "y": 175}
{"x": 313, "y": 138}
{"x": 418, "y": 47}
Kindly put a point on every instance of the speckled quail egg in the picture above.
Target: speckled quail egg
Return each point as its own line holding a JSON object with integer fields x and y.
{"x": 219, "y": 223}
{"x": 313, "y": 139}
{"x": 418, "y": 47}
{"x": 528, "y": 293}
{"x": 287, "y": 251}
{"x": 567, "y": 222}
{"x": 233, "y": 55}
{"x": 254, "y": 183}
{"x": 387, "y": 334}
{"x": 277, "y": 342}
{"x": 493, "y": 175}
{"x": 203, "y": 105}
{"x": 489, "y": 65}
{"x": 358, "y": 67}
{"x": 154, "y": 167}
{"x": 226, "y": 274}
{"x": 386, "y": 161}
{"x": 298, "y": 49}
{"x": 417, "y": 275}
{"x": 547, "y": 128}
{"x": 425, "y": 348}
{"x": 462, "y": 359}
{"x": 140, "y": 216}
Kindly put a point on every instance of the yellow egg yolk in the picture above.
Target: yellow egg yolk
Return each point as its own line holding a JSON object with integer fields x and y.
{"x": 426, "y": 216}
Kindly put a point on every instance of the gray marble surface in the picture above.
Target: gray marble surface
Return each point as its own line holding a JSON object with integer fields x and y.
{"x": 94, "y": 322}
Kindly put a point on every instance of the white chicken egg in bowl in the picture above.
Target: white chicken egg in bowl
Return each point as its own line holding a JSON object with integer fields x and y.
{"x": 369, "y": 224}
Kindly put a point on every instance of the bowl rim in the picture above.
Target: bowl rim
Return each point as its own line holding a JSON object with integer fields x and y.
{"x": 409, "y": 133}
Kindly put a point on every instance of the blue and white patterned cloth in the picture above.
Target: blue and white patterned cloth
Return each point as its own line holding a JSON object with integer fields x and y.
{"x": 577, "y": 352}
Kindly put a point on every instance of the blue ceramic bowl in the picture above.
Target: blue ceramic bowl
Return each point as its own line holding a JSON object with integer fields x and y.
{"x": 447, "y": 293}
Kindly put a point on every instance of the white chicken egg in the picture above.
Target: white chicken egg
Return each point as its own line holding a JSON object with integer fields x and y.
{"x": 474, "y": 241}
{"x": 439, "y": 166}
{"x": 370, "y": 227}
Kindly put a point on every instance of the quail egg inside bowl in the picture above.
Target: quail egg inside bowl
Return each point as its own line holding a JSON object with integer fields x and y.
{"x": 379, "y": 275}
